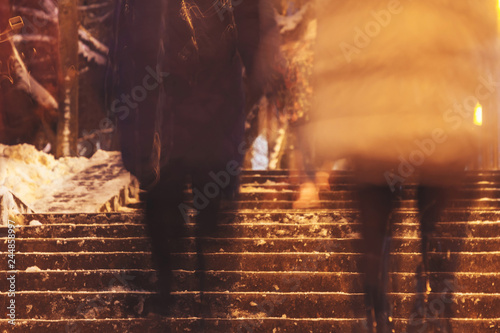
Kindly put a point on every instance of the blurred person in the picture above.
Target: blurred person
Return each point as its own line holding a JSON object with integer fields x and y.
{"x": 297, "y": 107}
{"x": 299, "y": 25}
{"x": 396, "y": 86}
{"x": 188, "y": 58}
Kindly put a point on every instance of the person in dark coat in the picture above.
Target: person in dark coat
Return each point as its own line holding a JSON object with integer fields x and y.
{"x": 179, "y": 68}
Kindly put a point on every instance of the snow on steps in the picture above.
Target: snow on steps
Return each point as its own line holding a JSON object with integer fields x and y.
{"x": 269, "y": 270}
{"x": 103, "y": 186}
{"x": 33, "y": 181}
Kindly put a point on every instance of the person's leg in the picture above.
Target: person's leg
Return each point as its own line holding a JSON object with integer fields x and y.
{"x": 375, "y": 208}
{"x": 209, "y": 197}
{"x": 432, "y": 202}
{"x": 165, "y": 223}
{"x": 431, "y": 205}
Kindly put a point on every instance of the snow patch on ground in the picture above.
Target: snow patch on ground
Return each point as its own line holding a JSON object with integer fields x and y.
{"x": 35, "y": 223}
{"x": 28, "y": 173}
{"x": 260, "y": 159}
{"x": 87, "y": 36}
{"x": 33, "y": 269}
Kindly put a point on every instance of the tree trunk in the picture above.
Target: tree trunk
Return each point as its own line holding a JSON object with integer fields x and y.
{"x": 67, "y": 131}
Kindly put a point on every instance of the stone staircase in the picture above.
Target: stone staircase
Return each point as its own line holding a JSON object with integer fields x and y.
{"x": 269, "y": 269}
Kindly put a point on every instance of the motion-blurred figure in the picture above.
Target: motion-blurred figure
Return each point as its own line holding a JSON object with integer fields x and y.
{"x": 180, "y": 106}
{"x": 397, "y": 84}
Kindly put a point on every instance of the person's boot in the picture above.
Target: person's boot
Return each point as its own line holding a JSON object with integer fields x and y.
{"x": 371, "y": 320}
{"x": 383, "y": 313}
{"x": 385, "y": 322}
{"x": 159, "y": 304}
{"x": 378, "y": 311}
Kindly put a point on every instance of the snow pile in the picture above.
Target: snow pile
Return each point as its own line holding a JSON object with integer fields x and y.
{"x": 67, "y": 185}
{"x": 29, "y": 173}
{"x": 91, "y": 55}
{"x": 91, "y": 48}
{"x": 25, "y": 82}
{"x": 33, "y": 269}
{"x": 11, "y": 207}
{"x": 260, "y": 158}
{"x": 86, "y": 36}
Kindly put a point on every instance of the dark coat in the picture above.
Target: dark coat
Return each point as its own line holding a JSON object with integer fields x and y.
{"x": 198, "y": 48}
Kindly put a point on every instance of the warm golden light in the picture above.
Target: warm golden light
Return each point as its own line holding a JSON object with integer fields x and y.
{"x": 498, "y": 16}
{"x": 478, "y": 115}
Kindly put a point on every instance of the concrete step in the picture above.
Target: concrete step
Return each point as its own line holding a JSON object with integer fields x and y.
{"x": 270, "y": 195}
{"x": 243, "y": 325}
{"x": 265, "y": 226}
{"x": 101, "y": 218}
{"x": 348, "y": 205}
{"x": 124, "y": 230}
{"x": 270, "y": 186}
{"x": 479, "y": 192}
{"x": 235, "y": 217}
{"x": 129, "y": 304}
{"x": 349, "y": 181}
{"x": 273, "y": 202}
{"x": 282, "y": 244}
{"x": 470, "y": 176}
{"x": 244, "y": 281}
{"x": 352, "y": 205}
{"x": 314, "y": 262}
{"x": 242, "y": 216}
{"x": 475, "y": 204}
{"x": 286, "y": 194}
{"x": 481, "y": 176}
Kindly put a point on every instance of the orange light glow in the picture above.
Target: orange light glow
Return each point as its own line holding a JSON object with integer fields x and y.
{"x": 498, "y": 16}
{"x": 478, "y": 115}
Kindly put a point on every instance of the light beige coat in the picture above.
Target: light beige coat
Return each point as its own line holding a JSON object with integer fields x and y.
{"x": 397, "y": 82}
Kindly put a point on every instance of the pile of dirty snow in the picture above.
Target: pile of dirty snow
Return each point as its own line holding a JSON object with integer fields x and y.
{"x": 29, "y": 173}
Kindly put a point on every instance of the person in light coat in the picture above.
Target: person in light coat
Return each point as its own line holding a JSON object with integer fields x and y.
{"x": 397, "y": 86}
